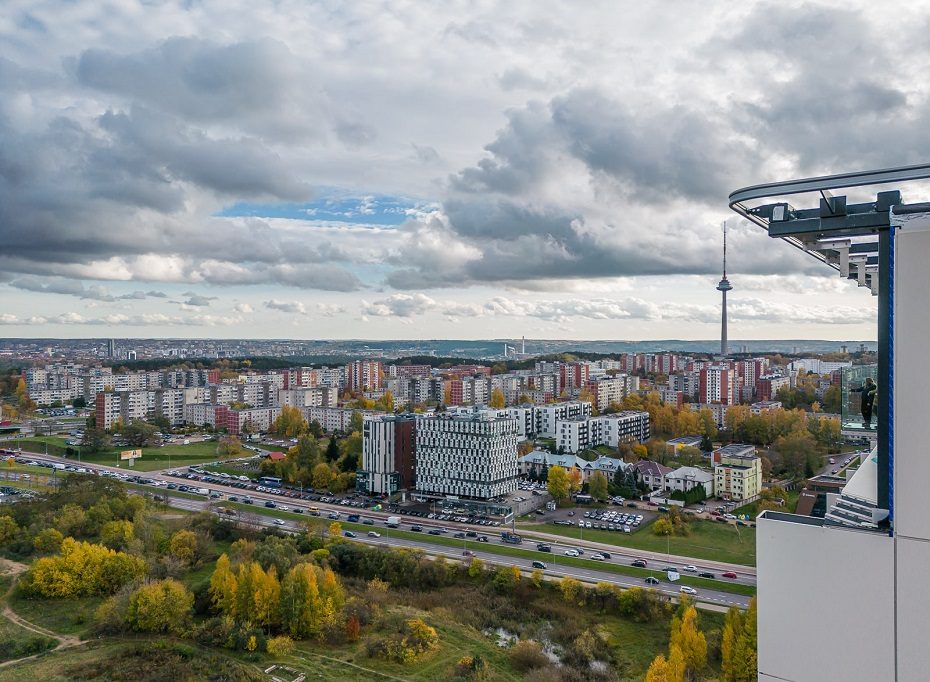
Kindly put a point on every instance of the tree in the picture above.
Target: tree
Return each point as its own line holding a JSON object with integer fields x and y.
{"x": 95, "y": 440}
{"x": 356, "y": 421}
{"x": 183, "y": 546}
{"x": 497, "y": 401}
{"x": 47, "y": 542}
{"x": 558, "y": 483}
{"x": 332, "y": 449}
{"x": 8, "y": 530}
{"x": 163, "y": 606}
{"x": 692, "y": 642}
{"x": 353, "y": 628}
{"x": 745, "y": 654}
{"x": 571, "y": 590}
{"x": 574, "y": 479}
{"x": 139, "y": 433}
{"x": 658, "y": 670}
{"x": 301, "y": 607}
{"x": 322, "y": 476}
{"x": 82, "y": 569}
{"x": 475, "y": 568}
{"x": 290, "y": 423}
{"x": 316, "y": 429}
{"x": 117, "y": 534}
{"x": 229, "y": 447}
{"x": 597, "y": 486}
{"x": 223, "y": 586}
{"x": 279, "y": 646}
{"x": 732, "y": 630}
{"x": 335, "y": 529}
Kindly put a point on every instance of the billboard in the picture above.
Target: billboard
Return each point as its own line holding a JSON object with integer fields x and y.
{"x": 130, "y": 454}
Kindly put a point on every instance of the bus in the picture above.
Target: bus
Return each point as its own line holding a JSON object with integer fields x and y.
{"x": 270, "y": 482}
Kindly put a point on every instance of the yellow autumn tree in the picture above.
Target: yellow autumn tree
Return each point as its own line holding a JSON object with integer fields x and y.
{"x": 497, "y": 401}
{"x": 162, "y": 606}
{"x": 300, "y": 605}
{"x": 183, "y": 546}
{"x": 223, "y": 586}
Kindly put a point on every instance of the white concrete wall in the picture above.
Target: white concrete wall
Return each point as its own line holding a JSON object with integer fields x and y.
{"x": 826, "y": 603}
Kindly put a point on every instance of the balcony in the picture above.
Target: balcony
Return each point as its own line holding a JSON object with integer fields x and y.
{"x": 852, "y": 422}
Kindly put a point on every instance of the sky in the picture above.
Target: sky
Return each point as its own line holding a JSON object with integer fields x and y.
{"x": 297, "y": 169}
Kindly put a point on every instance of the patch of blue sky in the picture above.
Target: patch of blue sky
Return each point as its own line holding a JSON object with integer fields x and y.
{"x": 372, "y": 209}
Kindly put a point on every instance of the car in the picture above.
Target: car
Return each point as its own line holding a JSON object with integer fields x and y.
{"x": 368, "y": 522}
{"x": 571, "y": 513}
{"x": 482, "y": 538}
{"x": 684, "y": 589}
{"x": 597, "y": 557}
{"x": 459, "y": 535}
{"x": 571, "y": 552}
{"x": 270, "y": 504}
{"x": 729, "y": 574}
{"x": 416, "y": 529}
{"x": 706, "y": 574}
{"x": 374, "y": 534}
{"x": 606, "y": 555}
{"x": 690, "y": 568}
{"x": 434, "y": 531}
{"x": 543, "y": 547}
{"x": 539, "y": 564}
{"x": 651, "y": 581}
{"x": 468, "y": 552}
{"x": 349, "y": 534}
{"x": 279, "y": 522}
{"x": 639, "y": 563}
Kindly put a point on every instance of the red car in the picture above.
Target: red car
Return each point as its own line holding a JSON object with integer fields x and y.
{"x": 729, "y": 574}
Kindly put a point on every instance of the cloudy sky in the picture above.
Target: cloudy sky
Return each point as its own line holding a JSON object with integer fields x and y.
{"x": 439, "y": 170}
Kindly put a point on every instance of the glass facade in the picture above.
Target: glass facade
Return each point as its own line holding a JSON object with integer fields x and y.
{"x": 853, "y": 378}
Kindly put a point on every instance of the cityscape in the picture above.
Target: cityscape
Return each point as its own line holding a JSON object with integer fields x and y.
{"x": 476, "y": 342}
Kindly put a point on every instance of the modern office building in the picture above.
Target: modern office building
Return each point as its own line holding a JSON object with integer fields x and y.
{"x": 471, "y": 456}
{"x": 388, "y": 454}
{"x": 846, "y": 597}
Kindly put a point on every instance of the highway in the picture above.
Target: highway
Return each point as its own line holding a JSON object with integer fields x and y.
{"x": 559, "y": 544}
{"x": 554, "y": 569}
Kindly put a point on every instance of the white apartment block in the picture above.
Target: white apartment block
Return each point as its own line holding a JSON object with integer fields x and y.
{"x": 334, "y": 418}
{"x": 547, "y": 416}
{"x": 580, "y": 433}
{"x": 614, "y": 389}
{"x": 127, "y": 406}
{"x": 466, "y": 456}
{"x": 321, "y": 396}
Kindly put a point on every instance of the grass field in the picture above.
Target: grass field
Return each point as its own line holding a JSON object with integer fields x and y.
{"x": 503, "y": 550}
{"x": 707, "y": 540}
{"x": 16, "y": 641}
{"x": 153, "y": 458}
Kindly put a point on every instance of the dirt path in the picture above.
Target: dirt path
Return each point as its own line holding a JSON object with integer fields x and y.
{"x": 14, "y": 568}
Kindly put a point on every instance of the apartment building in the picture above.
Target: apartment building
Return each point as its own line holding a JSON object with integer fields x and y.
{"x": 718, "y": 384}
{"x": 607, "y": 390}
{"x": 547, "y": 416}
{"x": 321, "y": 396}
{"x": 128, "y": 406}
{"x": 738, "y": 477}
{"x": 470, "y": 456}
{"x": 363, "y": 375}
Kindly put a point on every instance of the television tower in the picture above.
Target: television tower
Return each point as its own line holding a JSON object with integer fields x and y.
{"x": 723, "y": 288}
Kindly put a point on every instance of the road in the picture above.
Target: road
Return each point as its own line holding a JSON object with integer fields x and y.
{"x": 591, "y": 575}
{"x": 560, "y": 544}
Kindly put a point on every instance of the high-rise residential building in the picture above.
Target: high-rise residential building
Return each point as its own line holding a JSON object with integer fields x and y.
{"x": 877, "y": 532}
{"x": 111, "y": 348}
{"x": 470, "y": 456}
{"x": 718, "y": 385}
{"x": 363, "y": 375}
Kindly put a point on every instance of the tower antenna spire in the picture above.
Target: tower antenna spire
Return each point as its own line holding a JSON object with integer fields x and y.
{"x": 723, "y": 288}
{"x": 724, "y": 249}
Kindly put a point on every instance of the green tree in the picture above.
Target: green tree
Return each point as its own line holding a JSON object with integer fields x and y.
{"x": 47, "y": 542}
{"x": 139, "y": 433}
{"x": 300, "y": 604}
{"x": 332, "y": 449}
{"x": 8, "y": 530}
{"x": 229, "y": 447}
{"x": 117, "y": 534}
{"x": 356, "y": 422}
{"x": 558, "y": 484}
{"x": 316, "y": 429}
{"x": 597, "y": 486}
{"x": 162, "y": 606}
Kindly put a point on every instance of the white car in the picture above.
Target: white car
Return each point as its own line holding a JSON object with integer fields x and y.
{"x": 571, "y": 552}
{"x": 690, "y": 568}
{"x": 597, "y": 557}
{"x": 687, "y": 590}
{"x": 281, "y": 507}
{"x": 374, "y": 534}
{"x": 279, "y": 522}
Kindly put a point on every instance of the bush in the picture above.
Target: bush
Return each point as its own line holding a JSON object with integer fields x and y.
{"x": 526, "y": 655}
{"x": 81, "y": 570}
{"x": 279, "y": 646}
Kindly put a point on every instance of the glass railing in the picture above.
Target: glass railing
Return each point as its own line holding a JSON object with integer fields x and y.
{"x": 853, "y": 379}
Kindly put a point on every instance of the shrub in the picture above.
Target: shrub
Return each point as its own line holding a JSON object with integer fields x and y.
{"x": 526, "y": 655}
